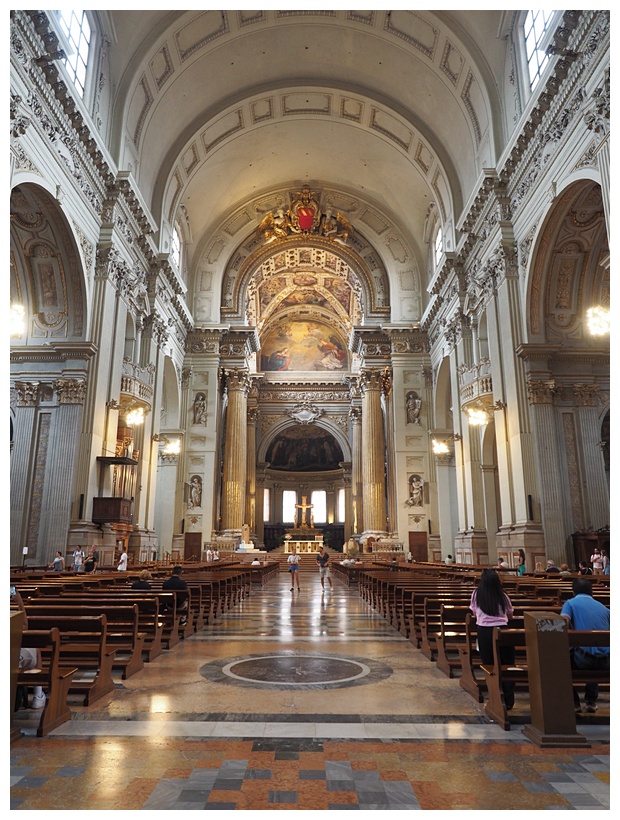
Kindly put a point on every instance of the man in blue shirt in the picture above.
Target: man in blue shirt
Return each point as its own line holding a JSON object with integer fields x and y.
{"x": 584, "y": 612}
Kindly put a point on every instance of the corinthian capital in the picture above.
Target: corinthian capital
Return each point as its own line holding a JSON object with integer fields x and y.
{"x": 586, "y": 394}
{"x": 70, "y": 391}
{"x": 541, "y": 391}
{"x": 27, "y": 393}
{"x": 236, "y": 379}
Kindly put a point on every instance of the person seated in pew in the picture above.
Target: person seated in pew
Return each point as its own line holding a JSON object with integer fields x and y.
{"x": 256, "y": 562}
{"x": 176, "y": 583}
{"x": 551, "y": 567}
{"x": 584, "y": 568}
{"x": 584, "y": 612}
{"x": 492, "y": 607}
{"x": 28, "y": 659}
{"x": 142, "y": 582}
{"x": 564, "y": 569}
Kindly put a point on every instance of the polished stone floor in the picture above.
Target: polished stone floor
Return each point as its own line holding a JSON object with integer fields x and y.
{"x": 298, "y": 701}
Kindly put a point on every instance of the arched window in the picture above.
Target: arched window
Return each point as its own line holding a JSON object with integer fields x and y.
{"x": 77, "y": 32}
{"x": 538, "y": 28}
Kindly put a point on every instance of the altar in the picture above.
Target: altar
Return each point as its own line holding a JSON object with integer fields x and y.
{"x": 303, "y": 546}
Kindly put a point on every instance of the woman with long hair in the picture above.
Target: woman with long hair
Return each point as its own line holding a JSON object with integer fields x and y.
{"x": 521, "y": 566}
{"x": 492, "y": 607}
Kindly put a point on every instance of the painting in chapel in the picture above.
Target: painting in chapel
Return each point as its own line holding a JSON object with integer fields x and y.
{"x": 304, "y": 345}
{"x": 304, "y": 448}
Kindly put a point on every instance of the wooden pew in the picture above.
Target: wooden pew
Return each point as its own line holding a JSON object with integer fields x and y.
{"x": 497, "y": 673}
{"x": 83, "y": 644}
{"x": 53, "y": 677}
{"x": 123, "y": 628}
{"x": 150, "y": 623}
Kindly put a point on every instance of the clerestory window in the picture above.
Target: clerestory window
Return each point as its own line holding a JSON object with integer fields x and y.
{"x": 537, "y": 30}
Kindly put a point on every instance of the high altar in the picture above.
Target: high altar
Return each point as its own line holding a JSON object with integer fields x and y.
{"x": 305, "y": 538}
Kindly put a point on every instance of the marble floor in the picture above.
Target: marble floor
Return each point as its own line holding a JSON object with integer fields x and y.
{"x": 298, "y": 701}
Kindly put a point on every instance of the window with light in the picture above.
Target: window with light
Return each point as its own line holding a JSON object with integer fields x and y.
{"x": 318, "y": 499}
{"x": 266, "y": 504}
{"x": 537, "y": 31}
{"x": 289, "y": 499}
{"x": 438, "y": 246}
{"x": 175, "y": 249}
{"x": 76, "y": 28}
{"x": 340, "y": 506}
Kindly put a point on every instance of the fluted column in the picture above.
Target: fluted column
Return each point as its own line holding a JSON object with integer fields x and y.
{"x": 250, "y": 497}
{"x": 60, "y": 462}
{"x": 550, "y": 481}
{"x": 355, "y": 415}
{"x": 23, "y": 434}
{"x": 235, "y": 452}
{"x": 595, "y": 484}
{"x": 373, "y": 454}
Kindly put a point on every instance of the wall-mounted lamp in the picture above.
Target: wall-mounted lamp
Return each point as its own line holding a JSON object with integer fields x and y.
{"x": 112, "y": 404}
{"x": 173, "y": 447}
{"x": 499, "y": 405}
{"x": 158, "y": 437}
{"x": 440, "y": 448}
{"x": 599, "y": 321}
{"x": 135, "y": 418}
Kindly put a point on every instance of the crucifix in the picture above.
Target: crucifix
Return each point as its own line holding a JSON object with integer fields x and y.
{"x": 303, "y": 507}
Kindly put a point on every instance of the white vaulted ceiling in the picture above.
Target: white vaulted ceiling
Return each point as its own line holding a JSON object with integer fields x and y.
{"x": 214, "y": 109}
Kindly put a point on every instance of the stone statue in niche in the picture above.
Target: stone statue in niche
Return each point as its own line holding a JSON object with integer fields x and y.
{"x": 195, "y": 492}
{"x": 416, "y": 492}
{"x": 414, "y": 405}
{"x": 200, "y": 409}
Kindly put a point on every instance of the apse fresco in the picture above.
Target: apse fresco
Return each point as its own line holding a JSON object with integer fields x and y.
{"x": 303, "y": 449}
{"x": 304, "y": 345}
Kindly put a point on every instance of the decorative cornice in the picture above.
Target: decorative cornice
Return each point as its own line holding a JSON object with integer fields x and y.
{"x": 203, "y": 341}
{"x": 53, "y": 352}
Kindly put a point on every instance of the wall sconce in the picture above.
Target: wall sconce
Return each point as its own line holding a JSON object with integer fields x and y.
{"x": 173, "y": 448}
{"x": 599, "y": 321}
{"x": 112, "y": 404}
{"x": 135, "y": 418}
{"x": 158, "y": 437}
{"x": 499, "y": 405}
{"x": 440, "y": 448}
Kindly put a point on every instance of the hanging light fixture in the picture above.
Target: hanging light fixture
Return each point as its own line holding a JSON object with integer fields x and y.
{"x": 599, "y": 321}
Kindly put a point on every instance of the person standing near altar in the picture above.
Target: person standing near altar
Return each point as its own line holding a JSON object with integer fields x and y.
{"x": 293, "y": 568}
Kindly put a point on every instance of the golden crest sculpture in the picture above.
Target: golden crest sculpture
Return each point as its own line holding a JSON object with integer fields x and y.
{"x": 304, "y": 217}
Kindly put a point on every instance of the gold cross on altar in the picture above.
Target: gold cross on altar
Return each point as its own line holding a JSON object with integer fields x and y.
{"x": 303, "y": 507}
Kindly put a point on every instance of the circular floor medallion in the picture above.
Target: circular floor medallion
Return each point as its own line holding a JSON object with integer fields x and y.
{"x": 296, "y": 670}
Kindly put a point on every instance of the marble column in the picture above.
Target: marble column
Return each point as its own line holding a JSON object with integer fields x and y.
{"x": 355, "y": 414}
{"x": 235, "y": 453}
{"x": 596, "y": 488}
{"x": 373, "y": 454}
{"x": 250, "y": 497}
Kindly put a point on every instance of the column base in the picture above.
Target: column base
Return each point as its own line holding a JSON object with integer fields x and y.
{"x": 471, "y": 547}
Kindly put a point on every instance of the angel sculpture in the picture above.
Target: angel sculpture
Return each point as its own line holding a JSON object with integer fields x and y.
{"x": 273, "y": 225}
{"x": 344, "y": 227}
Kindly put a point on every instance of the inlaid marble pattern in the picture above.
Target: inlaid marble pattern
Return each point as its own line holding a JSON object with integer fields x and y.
{"x": 173, "y": 737}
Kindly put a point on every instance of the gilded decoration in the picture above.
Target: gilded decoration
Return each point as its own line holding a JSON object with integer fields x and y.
{"x": 304, "y": 217}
